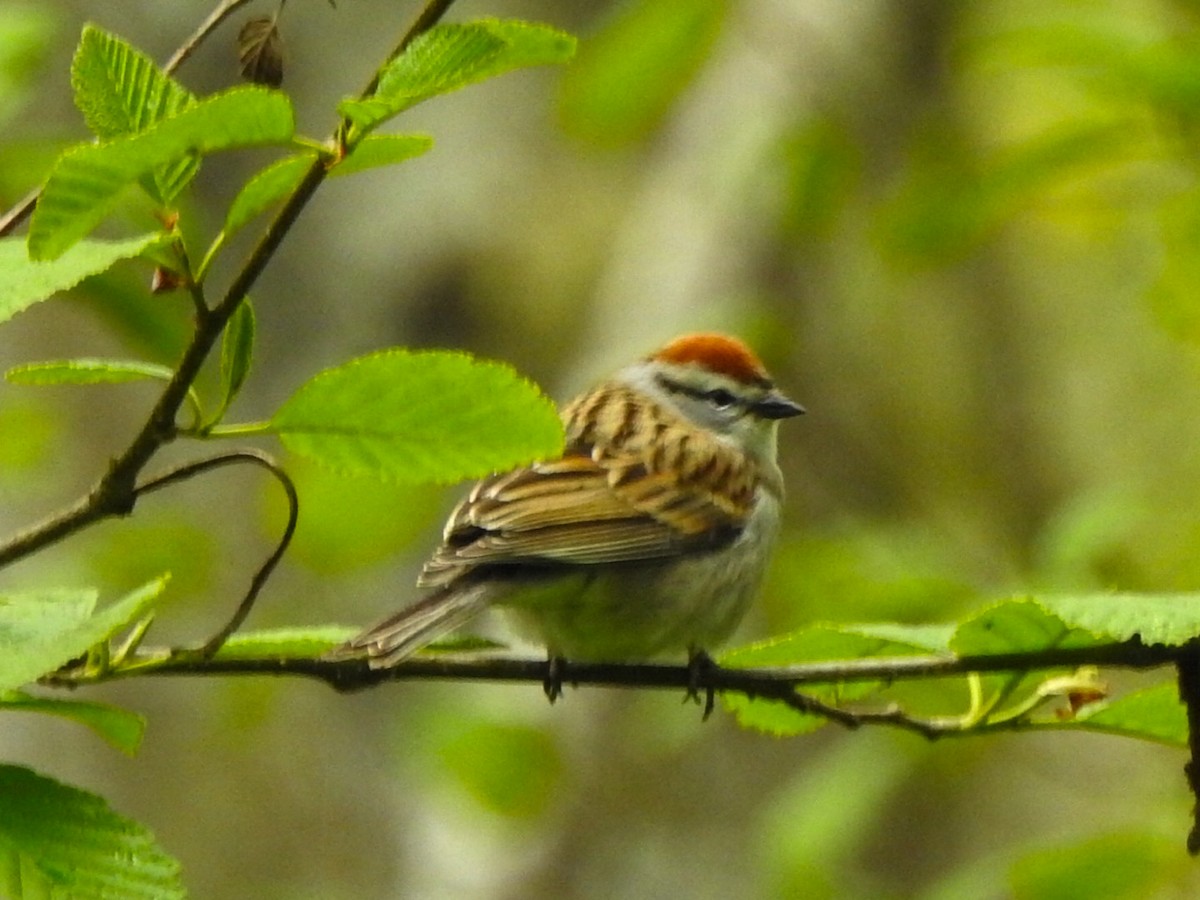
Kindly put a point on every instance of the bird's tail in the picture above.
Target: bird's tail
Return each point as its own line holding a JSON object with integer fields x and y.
{"x": 399, "y": 636}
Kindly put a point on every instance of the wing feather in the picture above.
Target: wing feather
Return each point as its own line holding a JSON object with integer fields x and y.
{"x": 636, "y": 482}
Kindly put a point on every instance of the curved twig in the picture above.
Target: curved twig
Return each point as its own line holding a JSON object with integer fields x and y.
{"x": 256, "y": 457}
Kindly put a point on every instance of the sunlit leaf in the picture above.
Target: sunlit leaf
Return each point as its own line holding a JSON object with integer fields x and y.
{"x": 86, "y": 371}
{"x": 452, "y": 56}
{"x": 285, "y": 642}
{"x": 1171, "y": 619}
{"x": 120, "y": 727}
{"x": 1153, "y": 714}
{"x": 1017, "y": 626}
{"x": 42, "y": 631}
{"x": 815, "y": 644}
{"x": 58, "y": 841}
{"x": 121, "y": 91}
{"x": 24, "y": 282}
{"x": 86, "y": 180}
{"x": 279, "y": 179}
{"x": 419, "y": 416}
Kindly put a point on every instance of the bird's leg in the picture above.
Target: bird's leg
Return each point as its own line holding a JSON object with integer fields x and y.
{"x": 552, "y": 683}
{"x": 700, "y": 664}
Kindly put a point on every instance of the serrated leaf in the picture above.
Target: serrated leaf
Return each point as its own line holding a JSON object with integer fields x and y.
{"x": 419, "y": 416}
{"x": 86, "y": 371}
{"x": 86, "y": 180}
{"x": 1153, "y": 714}
{"x": 120, "y": 727}
{"x": 279, "y": 179}
{"x": 1171, "y": 619}
{"x": 452, "y": 56}
{"x": 121, "y": 91}
{"x": 76, "y": 845}
{"x": 285, "y": 642}
{"x": 24, "y": 282}
{"x": 237, "y": 350}
{"x": 820, "y": 642}
{"x": 1016, "y": 626}
{"x": 42, "y": 631}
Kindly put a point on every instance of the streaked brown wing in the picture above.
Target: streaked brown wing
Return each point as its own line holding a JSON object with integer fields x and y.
{"x": 626, "y": 490}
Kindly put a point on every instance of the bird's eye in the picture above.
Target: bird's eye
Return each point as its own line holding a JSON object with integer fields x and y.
{"x": 720, "y": 398}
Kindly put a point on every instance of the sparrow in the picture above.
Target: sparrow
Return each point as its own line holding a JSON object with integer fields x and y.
{"x": 648, "y": 536}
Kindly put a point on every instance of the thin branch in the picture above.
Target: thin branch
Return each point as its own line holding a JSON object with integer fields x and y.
{"x": 223, "y": 10}
{"x": 115, "y": 493}
{"x": 254, "y": 457}
{"x": 771, "y": 683}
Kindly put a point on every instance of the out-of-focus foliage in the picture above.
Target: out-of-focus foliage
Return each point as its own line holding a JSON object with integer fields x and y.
{"x": 963, "y": 234}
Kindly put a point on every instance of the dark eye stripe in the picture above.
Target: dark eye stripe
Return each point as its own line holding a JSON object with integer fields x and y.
{"x": 719, "y": 397}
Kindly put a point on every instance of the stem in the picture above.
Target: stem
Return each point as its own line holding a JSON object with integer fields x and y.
{"x": 771, "y": 683}
{"x": 116, "y": 493}
{"x": 223, "y": 10}
{"x": 255, "y": 457}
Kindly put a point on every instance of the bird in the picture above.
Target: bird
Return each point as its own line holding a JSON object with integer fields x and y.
{"x": 648, "y": 536}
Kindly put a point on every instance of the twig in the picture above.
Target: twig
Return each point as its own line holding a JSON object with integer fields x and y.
{"x": 115, "y": 493}
{"x": 254, "y": 457}
{"x": 771, "y": 683}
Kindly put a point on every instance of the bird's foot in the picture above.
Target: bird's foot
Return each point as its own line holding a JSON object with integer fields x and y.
{"x": 699, "y": 665}
{"x": 553, "y": 682}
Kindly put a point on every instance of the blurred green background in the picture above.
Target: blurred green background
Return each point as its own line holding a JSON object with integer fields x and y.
{"x": 965, "y": 235}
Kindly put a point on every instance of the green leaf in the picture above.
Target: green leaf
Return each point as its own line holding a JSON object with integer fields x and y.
{"x": 449, "y": 57}
{"x": 1171, "y": 619}
{"x": 237, "y": 350}
{"x": 95, "y": 371}
{"x": 419, "y": 416}
{"x": 265, "y": 188}
{"x": 121, "y": 91}
{"x": 285, "y": 642}
{"x": 120, "y": 727}
{"x": 383, "y": 150}
{"x": 820, "y": 642}
{"x": 24, "y": 282}
{"x": 279, "y": 179}
{"x": 1153, "y": 714}
{"x": 86, "y": 371}
{"x": 628, "y": 76}
{"x": 58, "y": 841}
{"x": 1016, "y": 626}
{"x": 86, "y": 180}
{"x": 42, "y": 631}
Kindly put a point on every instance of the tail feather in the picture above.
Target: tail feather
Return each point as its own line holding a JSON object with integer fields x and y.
{"x": 399, "y": 636}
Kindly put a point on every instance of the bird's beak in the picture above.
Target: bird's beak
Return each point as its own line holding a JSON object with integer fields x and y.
{"x": 776, "y": 406}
